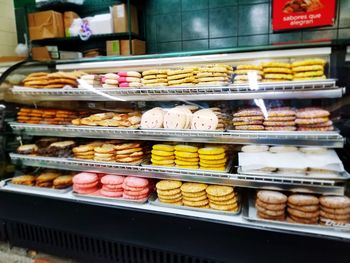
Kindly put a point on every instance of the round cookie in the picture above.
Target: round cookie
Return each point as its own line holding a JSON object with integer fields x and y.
{"x": 170, "y": 201}
{"x": 195, "y": 194}
{"x": 212, "y": 157}
{"x": 111, "y": 179}
{"x": 195, "y": 199}
{"x": 163, "y": 147}
{"x": 204, "y": 119}
{"x": 211, "y": 151}
{"x": 228, "y": 202}
{"x": 264, "y": 216}
{"x": 169, "y": 197}
{"x": 273, "y": 207}
{"x": 271, "y": 197}
{"x": 195, "y": 203}
{"x": 162, "y": 162}
{"x": 219, "y": 190}
{"x": 161, "y": 158}
{"x": 186, "y": 154}
{"x": 186, "y": 148}
{"x": 166, "y": 185}
{"x": 304, "y": 208}
{"x": 270, "y": 212}
{"x": 302, "y": 214}
{"x": 312, "y": 112}
{"x": 221, "y": 198}
{"x": 233, "y": 207}
{"x": 298, "y": 220}
{"x": 162, "y": 153}
{"x": 302, "y": 200}
{"x": 335, "y": 201}
{"x": 152, "y": 119}
{"x": 136, "y": 182}
{"x": 334, "y": 216}
{"x": 336, "y": 211}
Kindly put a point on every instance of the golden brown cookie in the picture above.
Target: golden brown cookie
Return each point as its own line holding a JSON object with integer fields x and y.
{"x": 302, "y": 214}
{"x": 302, "y": 200}
{"x": 166, "y": 185}
{"x": 269, "y": 206}
{"x": 271, "y": 197}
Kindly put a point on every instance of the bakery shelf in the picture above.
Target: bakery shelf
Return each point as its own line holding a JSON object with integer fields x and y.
{"x": 238, "y": 220}
{"x": 211, "y": 177}
{"x": 279, "y": 90}
{"x": 331, "y": 139}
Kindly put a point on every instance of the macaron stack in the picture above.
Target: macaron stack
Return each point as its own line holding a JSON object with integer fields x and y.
{"x": 85, "y": 183}
{"x": 303, "y": 209}
{"x": 309, "y": 69}
{"x": 169, "y": 192}
{"x": 222, "y": 198}
{"x": 212, "y": 158}
{"x": 178, "y": 118}
{"x": 104, "y": 153}
{"x": 242, "y": 73}
{"x": 155, "y": 78}
{"x": 136, "y": 188}
{"x": 163, "y": 155}
{"x": 248, "y": 119}
{"x": 271, "y": 205}
{"x": 280, "y": 119}
{"x": 186, "y": 156}
{"x": 194, "y": 195}
{"x": 335, "y": 209}
{"x": 110, "y": 80}
{"x": 216, "y": 74}
{"x": 313, "y": 119}
{"x": 276, "y": 71}
{"x": 181, "y": 77}
{"x": 129, "y": 79}
{"x": 112, "y": 185}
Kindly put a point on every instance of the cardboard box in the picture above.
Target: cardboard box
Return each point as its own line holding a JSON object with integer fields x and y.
{"x": 113, "y": 48}
{"x": 120, "y": 18}
{"x": 68, "y": 18}
{"x": 45, "y": 53}
{"x": 46, "y": 24}
{"x": 138, "y": 47}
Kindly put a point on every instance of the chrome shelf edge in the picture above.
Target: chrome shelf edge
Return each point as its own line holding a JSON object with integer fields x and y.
{"x": 327, "y": 139}
{"x": 279, "y": 90}
{"x": 297, "y": 185}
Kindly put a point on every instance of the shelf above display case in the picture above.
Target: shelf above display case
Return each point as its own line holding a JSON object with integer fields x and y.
{"x": 331, "y": 139}
{"x": 211, "y": 177}
{"x": 279, "y": 90}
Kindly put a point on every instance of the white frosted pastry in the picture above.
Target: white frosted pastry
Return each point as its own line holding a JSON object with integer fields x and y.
{"x": 283, "y": 149}
{"x": 255, "y": 148}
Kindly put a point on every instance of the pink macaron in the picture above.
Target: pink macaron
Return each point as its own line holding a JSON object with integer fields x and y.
{"x": 128, "y": 188}
{"x": 144, "y": 191}
{"x": 112, "y": 189}
{"x": 136, "y": 182}
{"x": 112, "y": 179}
{"x": 84, "y": 190}
{"x": 85, "y": 178}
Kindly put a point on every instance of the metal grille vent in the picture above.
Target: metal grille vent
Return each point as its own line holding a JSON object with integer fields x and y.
{"x": 89, "y": 249}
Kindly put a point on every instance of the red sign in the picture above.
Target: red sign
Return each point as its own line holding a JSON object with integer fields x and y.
{"x": 293, "y": 14}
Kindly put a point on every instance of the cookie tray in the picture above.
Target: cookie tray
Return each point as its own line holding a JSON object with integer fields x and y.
{"x": 341, "y": 177}
{"x": 153, "y": 200}
{"x": 8, "y": 185}
{"x": 91, "y": 197}
{"x": 249, "y": 213}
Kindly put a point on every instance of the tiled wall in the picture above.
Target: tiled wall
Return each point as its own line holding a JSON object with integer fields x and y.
{"x": 187, "y": 25}
{"x": 8, "y": 37}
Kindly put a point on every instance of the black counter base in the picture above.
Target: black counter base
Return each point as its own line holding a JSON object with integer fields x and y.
{"x": 94, "y": 233}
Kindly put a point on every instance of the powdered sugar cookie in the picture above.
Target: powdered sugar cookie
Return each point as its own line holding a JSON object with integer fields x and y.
{"x": 175, "y": 118}
{"x": 204, "y": 119}
{"x": 152, "y": 119}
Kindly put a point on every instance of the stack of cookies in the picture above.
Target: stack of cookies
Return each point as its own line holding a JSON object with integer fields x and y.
{"x": 45, "y": 116}
{"x": 136, "y": 188}
{"x": 163, "y": 155}
{"x": 243, "y": 71}
{"x": 309, "y": 69}
{"x": 85, "y": 183}
{"x": 181, "y": 77}
{"x": 335, "y": 209}
{"x": 280, "y": 119}
{"x": 248, "y": 119}
{"x": 46, "y": 179}
{"x": 104, "y": 153}
{"x": 169, "y": 192}
{"x": 271, "y": 205}
{"x": 85, "y": 152}
{"x": 110, "y": 80}
{"x": 153, "y": 118}
{"x": 112, "y": 185}
{"x": 221, "y": 120}
{"x": 212, "y": 158}
{"x": 178, "y": 118}
{"x": 60, "y": 79}
{"x": 303, "y": 209}
{"x": 216, "y": 74}
{"x": 131, "y": 153}
{"x": 91, "y": 79}
{"x": 313, "y": 119}
{"x": 130, "y": 79}
{"x": 205, "y": 119}
{"x": 186, "y": 156}
{"x": 222, "y": 198}
{"x": 155, "y": 78}
{"x": 36, "y": 80}
{"x": 194, "y": 195}
{"x": 277, "y": 71}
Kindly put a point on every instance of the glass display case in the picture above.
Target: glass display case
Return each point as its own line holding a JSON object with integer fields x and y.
{"x": 269, "y": 125}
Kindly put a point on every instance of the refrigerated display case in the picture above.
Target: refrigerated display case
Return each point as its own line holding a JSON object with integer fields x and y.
{"x": 106, "y": 229}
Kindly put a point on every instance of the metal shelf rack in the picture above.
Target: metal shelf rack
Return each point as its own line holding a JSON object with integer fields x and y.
{"x": 327, "y": 139}
{"x": 211, "y": 177}
{"x": 279, "y": 90}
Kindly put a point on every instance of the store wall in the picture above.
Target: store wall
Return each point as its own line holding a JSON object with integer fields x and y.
{"x": 187, "y": 25}
{"x": 8, "y": 36}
